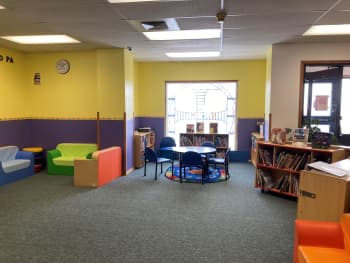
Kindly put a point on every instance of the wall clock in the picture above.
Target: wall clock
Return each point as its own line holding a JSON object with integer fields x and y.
{"x": 62, "y": 66}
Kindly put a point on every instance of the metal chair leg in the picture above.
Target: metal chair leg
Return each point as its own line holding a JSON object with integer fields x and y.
{"x": 155, "y": 175}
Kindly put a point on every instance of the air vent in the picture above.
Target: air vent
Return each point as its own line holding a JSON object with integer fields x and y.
{"x": 155, "y": 25}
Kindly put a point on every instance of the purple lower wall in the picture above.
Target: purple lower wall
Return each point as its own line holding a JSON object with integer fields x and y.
{"x": 48, "y": 133}
{"x": 14, "y": 133}
{"x": 157, "y": 124}
{"x": 244, "y": 129}
{"x": 111, "y": 133}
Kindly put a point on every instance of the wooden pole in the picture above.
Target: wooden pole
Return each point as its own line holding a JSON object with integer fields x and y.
{"x": 98, "y": 132}
{"x": 124, "y": 150}
{"x": 270, "y": 125}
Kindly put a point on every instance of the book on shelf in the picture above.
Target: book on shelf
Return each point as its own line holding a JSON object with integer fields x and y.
{"x": 266, "y": 179}
{"x": 190, "y": 128}
{"x": 300, "y": 136}
{"x": 185, "y": 141}
{"x": 291, "y": 161}
{"x": 213, "y": 127}
{"x": 221, "y": 140}
{"x": 200, "y": 127}
{"x": 265, "y": 156}
{"x": 278, "y": 135}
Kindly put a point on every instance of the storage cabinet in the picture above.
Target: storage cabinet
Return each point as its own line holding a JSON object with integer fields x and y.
{"x": 220, "y": 141}
{"x": 142, "y": 140}
{"x": 278, "y": 166}
{"x": 322, "y": 196}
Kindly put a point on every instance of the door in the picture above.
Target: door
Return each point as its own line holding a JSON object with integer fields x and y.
{"x": 325, "y": 101}
{"x": 322, "y": 93}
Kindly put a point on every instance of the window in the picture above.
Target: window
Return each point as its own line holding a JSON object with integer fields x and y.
{"x": 208, "y": 106}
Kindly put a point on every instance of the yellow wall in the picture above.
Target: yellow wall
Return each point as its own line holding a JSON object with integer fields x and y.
{"x": 12, "y": 88}
{"x": 110, "y": 82}
{"x": 152, "y": 76}
{"x": 70, "y": 95}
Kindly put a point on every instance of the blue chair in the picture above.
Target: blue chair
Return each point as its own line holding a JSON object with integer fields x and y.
{"x": 208, "y": 144}
{"x": 192, "y": 159}
{"x": 223, "y": 162}
{"x": 167, "y": 142}
{"x": 151, "y": 157}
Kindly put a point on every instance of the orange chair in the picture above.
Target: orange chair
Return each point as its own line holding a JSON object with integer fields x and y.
{"x": 322, "y": 242}
{"x": 105, "y": 166}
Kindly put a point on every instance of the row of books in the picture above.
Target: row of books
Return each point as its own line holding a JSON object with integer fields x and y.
{"x": 292, "y": 161}
{"x": 283, "y": 183}
{"x": 265, "y": 156}
{"x": 221, "y": 141}
{"x": 185, "y": 141}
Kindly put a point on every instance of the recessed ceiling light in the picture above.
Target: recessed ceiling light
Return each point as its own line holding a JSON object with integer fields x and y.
{"x": 320, "y": 30}
{"x": 183, "y": 34}
{"x": 193, "y": 54}
{"x": 2, "y": 7}
{"x": 41, "y": 39}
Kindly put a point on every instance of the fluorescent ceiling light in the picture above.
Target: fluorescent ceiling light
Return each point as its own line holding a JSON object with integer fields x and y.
{"x": 193, "y": 54}
{"x": 183, "y": 34}
{"x": 41, "y": 39}
{"x": 135, "y": 1}
{"x": 320, "y": 30}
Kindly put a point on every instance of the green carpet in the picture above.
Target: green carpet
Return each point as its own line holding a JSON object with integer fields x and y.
{"x": 137, "y": 219}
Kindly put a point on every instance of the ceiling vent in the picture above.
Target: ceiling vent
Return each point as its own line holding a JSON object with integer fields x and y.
{"x": 166, "y": 24}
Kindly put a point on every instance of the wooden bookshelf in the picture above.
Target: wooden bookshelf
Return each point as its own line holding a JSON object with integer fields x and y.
{"x": 278, "y": 166}
{"x": 221, "y": 141}
{"x": 142, "y": 140}
{"x": 253, "y": 153}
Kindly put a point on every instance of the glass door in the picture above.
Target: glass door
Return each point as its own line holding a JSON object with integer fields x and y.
{"x": 322, "y": 99}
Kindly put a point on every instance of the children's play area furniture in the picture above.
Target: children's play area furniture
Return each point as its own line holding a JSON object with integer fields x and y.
{"x": 38, "y": 157}
{"x": 105, "y": 166}
{"x": 322, "y": 241}
{"x": 60, "y": 161}
{"x": 15, "y": 164}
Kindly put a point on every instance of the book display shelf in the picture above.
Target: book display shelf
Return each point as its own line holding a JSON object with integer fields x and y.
{"x": 278, "y": 166}
{"x": 220, "y": 141}
{"x": 142, "y": 140}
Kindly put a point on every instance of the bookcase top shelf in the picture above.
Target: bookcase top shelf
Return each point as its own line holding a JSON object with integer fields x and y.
{"x": 302, "y": 148}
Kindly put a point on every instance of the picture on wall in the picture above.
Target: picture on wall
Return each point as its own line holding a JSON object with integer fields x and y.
{"x": 200, "y": 127}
